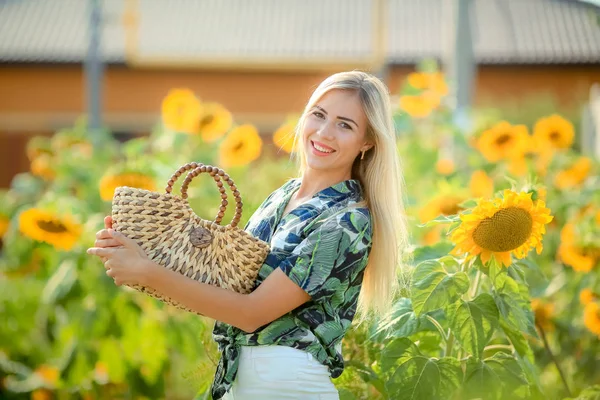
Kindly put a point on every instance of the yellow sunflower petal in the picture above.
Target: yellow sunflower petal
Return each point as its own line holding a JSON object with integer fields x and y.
{"x": 502, "y": 227}
{"x": 216, "y": 120}
{"x": 283, "y": 137}
{"x": 181, "y": 111}
{"x": 110, "y": 182}
{"x": 553, "y": 132}
{"x": 60, "y": 231}
{"x": 419, "y": 106}
{"x": 241, "y": 146}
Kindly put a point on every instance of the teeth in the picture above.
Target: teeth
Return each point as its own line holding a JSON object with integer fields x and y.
{"x": 321, "y": 149}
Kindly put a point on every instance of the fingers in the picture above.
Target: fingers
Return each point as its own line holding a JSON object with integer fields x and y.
{"x": 106, "y": 243}
{"x": 102, "y": 252}
{"x": 108, "y": 222}
{"x": 124, "y": 240}
{"x": 111, "y": 274}
{"x": 103, "y": 234}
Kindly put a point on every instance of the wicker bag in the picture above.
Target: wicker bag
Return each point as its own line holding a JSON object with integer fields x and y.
{"x": 172, "y": 235}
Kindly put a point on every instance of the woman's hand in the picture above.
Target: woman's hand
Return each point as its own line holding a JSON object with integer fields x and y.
{"x": 124, "y": 260}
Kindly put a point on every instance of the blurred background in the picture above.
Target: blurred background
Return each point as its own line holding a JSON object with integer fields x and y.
{"x": 115, "y": 60}
{"x": 496, "y": 105}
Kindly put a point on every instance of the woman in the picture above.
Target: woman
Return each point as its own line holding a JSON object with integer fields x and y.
{"x": 335, "y": 236}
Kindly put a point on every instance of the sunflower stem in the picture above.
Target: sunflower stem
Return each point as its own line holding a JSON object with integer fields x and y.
{"x": 554, "y": 360}
{"x": 449, "y": 344}
{"x": 439, "y": 327}
{"x": 475, "y": 287}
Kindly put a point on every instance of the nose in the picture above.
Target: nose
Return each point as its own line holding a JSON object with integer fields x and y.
{"x": 325, "y": 130}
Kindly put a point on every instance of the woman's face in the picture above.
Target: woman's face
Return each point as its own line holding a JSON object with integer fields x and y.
{"x": 334, "y": 132}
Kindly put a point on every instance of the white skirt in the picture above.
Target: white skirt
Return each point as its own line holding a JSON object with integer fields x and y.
{"x": 280, "y": 372}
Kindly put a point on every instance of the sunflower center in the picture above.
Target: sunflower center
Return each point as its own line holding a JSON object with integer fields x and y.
{"x": 238, "y": 147}
{"x": 51, "y": 226}
{"x": 592, "y": 252}
{"x": 506, "y": 230}
{"x": 503, "y": 139}
{"x": 554, "y": 136}
{"x": 207, "y": 120}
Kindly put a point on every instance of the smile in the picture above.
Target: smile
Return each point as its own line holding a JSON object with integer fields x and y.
{"x": 321, "y": 149}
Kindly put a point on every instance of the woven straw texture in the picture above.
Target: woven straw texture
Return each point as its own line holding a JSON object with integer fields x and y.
{"x": 173, "y": 236}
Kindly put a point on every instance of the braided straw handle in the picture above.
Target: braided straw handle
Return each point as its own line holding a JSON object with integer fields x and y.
{"x": 216, "y": 173}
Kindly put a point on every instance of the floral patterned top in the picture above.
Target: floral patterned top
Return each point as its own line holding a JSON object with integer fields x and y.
{"x": 323, "y": 246}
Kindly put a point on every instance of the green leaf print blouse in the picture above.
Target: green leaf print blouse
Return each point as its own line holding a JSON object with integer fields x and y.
{"x": 322, "y": 246}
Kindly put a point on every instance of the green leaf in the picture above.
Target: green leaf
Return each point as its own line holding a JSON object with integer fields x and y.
{"x": 110, "y": 357}
{"x": 432, "y": 287}
{"x": 402, "y": 322}
{"x": 367, "y": 374}
{"x": 473, "y": 323}
{"x": 431, "y": 252}
{"x": 518, "y": 341}
{"x": 513, "y": 303}
{"x": 60, "y": 282}
{"x": 346, "y": 394}
{"x": 415, "y": 376}
{"x": 442, "y": 219}
{"x": 591, "y": 393}
{"x": 497, "y": 377}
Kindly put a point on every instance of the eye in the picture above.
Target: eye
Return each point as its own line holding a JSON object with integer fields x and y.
{"x": 345, "y": 126}
{"x": 318, "y": 114}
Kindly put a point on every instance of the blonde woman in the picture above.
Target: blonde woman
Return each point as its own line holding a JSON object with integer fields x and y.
{"x": 335, "y": 234}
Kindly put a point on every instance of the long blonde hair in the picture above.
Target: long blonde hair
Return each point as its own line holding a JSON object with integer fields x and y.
{"x": 380, "y": 175}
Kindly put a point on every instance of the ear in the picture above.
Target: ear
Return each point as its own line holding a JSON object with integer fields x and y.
{"x": 367, "y": 146}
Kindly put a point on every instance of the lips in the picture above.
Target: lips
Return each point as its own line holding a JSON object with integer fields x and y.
{"x": 322, "y": 148}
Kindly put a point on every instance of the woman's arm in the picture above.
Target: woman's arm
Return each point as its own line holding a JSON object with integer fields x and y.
{"x": 127, "y": 264}
{"x": 276, "y": 296}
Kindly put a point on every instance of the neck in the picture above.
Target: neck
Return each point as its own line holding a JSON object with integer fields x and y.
{"x": 314, "y": 181}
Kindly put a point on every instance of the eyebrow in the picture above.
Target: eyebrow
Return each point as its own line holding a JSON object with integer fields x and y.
{"x": 342, "y": 118}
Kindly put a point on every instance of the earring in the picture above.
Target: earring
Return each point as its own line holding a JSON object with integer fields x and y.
{"x": 363, "y": 155}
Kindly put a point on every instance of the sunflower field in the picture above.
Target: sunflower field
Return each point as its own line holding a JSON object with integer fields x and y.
{"x": 499, "y": 293}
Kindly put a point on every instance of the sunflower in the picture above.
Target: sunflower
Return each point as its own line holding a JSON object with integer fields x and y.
{"x": 41, "y": 394}
{"x": 575, "y": 175}
{"x": 586, "y": 296}
{"x": 481, "y": 185}
{"x": 517, "y": 165}
{"x": 101, "y": 373}
{"x": 553, "y": 133}
{"x": 42, "y": 166}
{"x": 543, "y": 313}
{"x": 543, "y": 160}
{"x": 49, "y": 375}
{"x": 444, "y": 166}
{"x": 504, "y": 141}
{"x": 215, "y": 122}
{"x": 580, "y": 258}
{"x": 445, "y": 204}
{"x": 60, "y": 231}
{"x": 181, "y": 111}
{"x": 109, "y": 183}
{"x": 241, "y": 146}
{"x": 432, "y": 236}
{"x": 500, "y": 227}
{"x": 419, "y": 106}
{"x": 4, "y": 224}
{"x": 69, "y": 140}
{"x": 38, "y": 145}
{"x": 591, "y": 317}
{"x": 283, "y": 137}
{"x": 429, "y": 81}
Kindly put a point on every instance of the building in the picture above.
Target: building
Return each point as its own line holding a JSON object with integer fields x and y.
{"x": 262, "y": 58}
